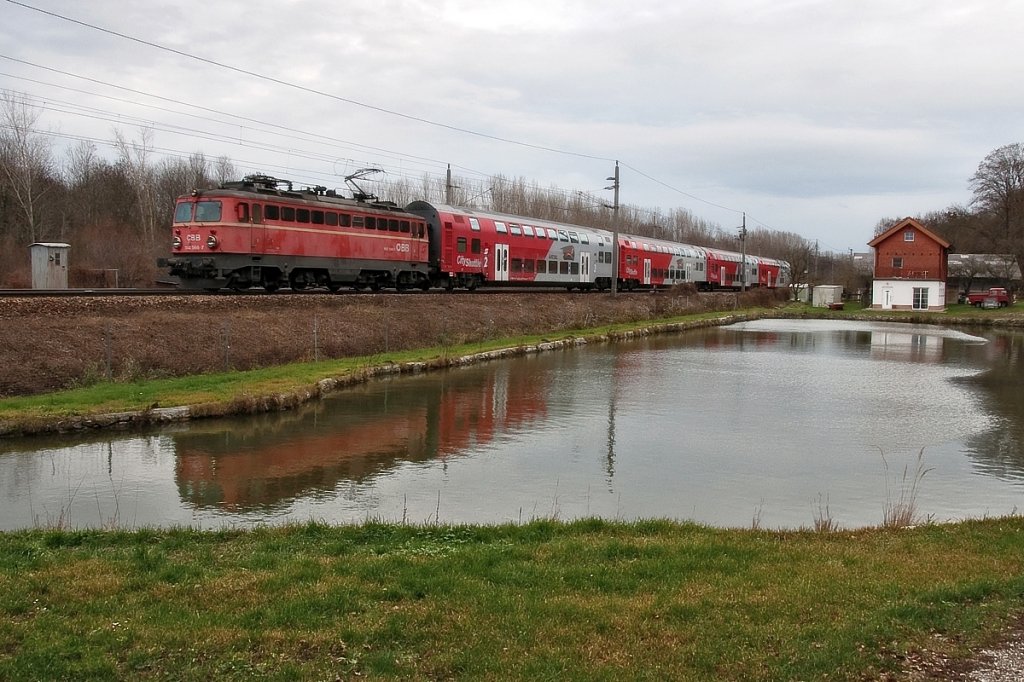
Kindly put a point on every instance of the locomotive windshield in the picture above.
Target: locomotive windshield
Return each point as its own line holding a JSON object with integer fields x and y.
{"x": 205, "y": 212}
{"x": 183, "y": 212}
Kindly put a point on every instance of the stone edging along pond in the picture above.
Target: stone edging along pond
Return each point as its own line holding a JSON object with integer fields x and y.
{"x": 323, "y": 387}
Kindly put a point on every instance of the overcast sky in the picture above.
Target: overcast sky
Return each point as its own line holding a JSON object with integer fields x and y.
{"x": 818, "y": 117}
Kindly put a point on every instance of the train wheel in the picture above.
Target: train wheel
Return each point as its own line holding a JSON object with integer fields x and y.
{"x": 270, "y": 287}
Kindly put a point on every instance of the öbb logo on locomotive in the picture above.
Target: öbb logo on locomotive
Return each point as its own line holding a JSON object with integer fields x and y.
{"x": 260, "y": 232}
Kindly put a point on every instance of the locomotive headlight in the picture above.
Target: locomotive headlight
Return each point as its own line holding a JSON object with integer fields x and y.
{"x": 211, "y": 242}
{"x": 176, "y": 242}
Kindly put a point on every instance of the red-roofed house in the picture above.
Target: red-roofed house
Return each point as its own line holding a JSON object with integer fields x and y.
{"x": 910, "y": 268}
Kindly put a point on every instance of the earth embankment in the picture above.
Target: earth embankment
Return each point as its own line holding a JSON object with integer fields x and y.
{"x": 53, "y": 343}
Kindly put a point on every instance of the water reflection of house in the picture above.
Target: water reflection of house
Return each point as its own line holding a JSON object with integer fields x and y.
{"x": 895, "y": 345}
{"x": 910, "y": 268}
{"x": 264, "y": 461}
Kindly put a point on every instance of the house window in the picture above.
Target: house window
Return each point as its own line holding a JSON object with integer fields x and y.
{"x": 908, "y": 235}
{"x": 897, "y": 263}
{"x": 920, "y": 298}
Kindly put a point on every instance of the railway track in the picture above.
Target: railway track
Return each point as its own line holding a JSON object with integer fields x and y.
{"x": 169, "y": 291}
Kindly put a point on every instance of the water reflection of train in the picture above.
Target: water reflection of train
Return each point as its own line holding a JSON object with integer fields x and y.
{"x": 265, "y": 461}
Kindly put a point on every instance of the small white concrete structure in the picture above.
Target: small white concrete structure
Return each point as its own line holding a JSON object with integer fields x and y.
{"x": 826, "y": 294}
{"x": 49, "y": 265}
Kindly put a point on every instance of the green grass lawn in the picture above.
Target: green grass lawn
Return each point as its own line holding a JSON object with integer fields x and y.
{"x": 589, "y": 600}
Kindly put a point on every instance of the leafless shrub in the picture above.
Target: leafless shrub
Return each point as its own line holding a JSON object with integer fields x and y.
{"x": 823, "y": 521}
{"x": 901, "y": 506}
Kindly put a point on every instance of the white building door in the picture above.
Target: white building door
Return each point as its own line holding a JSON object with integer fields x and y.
{"x": 887, "y": 299}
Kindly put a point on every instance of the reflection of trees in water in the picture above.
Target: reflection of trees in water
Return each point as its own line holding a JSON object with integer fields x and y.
{"x": 999, "y": 451}
{"x": 265, "y": 461}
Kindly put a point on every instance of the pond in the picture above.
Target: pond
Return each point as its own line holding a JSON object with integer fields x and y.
{"x": 770, "y": 423}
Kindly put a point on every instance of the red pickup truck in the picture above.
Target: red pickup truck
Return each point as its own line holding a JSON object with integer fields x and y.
{"x": 996, "y": 297}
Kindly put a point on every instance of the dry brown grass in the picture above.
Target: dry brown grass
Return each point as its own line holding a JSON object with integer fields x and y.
{"x": 55, "y": 343}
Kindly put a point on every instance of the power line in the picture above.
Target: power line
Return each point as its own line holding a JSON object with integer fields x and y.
{"x": 210, "y": 110}
{"x": 353, "y": 102}
{"x": 304, "y": 88}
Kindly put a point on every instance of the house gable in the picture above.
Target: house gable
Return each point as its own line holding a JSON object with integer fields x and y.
{"x": 909, "y": 250}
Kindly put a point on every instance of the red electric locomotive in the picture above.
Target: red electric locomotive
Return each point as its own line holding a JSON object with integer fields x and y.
{"x": 261, "y": 232}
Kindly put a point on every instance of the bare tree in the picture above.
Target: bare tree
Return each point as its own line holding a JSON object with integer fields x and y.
{"x": 133, "y": 157}
{"x": 998, "y": 187}
{"x": 224, "y": 170}
{"x": 25, "y": 160}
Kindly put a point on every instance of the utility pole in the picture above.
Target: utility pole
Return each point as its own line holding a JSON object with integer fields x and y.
{"x": 615, "y": 230}
{"x": 743, "y": 247}
{"x": 448, "y": 187}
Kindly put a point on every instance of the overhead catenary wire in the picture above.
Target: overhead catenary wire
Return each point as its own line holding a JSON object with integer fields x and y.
{"x": 355, "y": 102}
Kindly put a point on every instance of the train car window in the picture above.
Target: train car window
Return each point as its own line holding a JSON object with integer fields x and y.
{"x": 242, "y": 211}
{"x": 460, "y": 245}
{"x": 563, "y": 235}
{"x": 474, "y": 224}
{"x": 345, "y": 220}
{"x": 404, "y": 226}
{"x": 331, "y": 219}
{"x": 528, "y": 265}
{"x": 357, "y": 221}
{"x": 183, "y": 212}
{"x": 392, "y": 225}
{"x": 514, "y": 229}
{"x": 540, "y": 233}
{"x": 563, "y": 268}
{"x": 574, "y": 268}
{"x": 553, "y": 266}
{"x": 552, "y": 234}
{"x": 302, "y": 215}
{"x": 527, "y": 230}
{"x": 542, "y": 267}
{"x": 288, "y": 213}
{"x": 474, "y": 246}
{"x": 421, "y": 229}
{"x": 574, "y": 238}
{"x": 208, "y": 211}
{"x": 318, "y": 217}
{"x": 500, "y": 226}
{"x": 370, "y": 222}
{"x": 584, "y": 239}
{"x": 272, "y": 212}
{"x": 517, "y": 265}
{"x": 257, "y": 213}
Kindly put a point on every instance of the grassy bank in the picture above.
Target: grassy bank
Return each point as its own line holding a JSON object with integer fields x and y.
{"x": 284, "y": 386}
{"x": 586, "y": 600}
